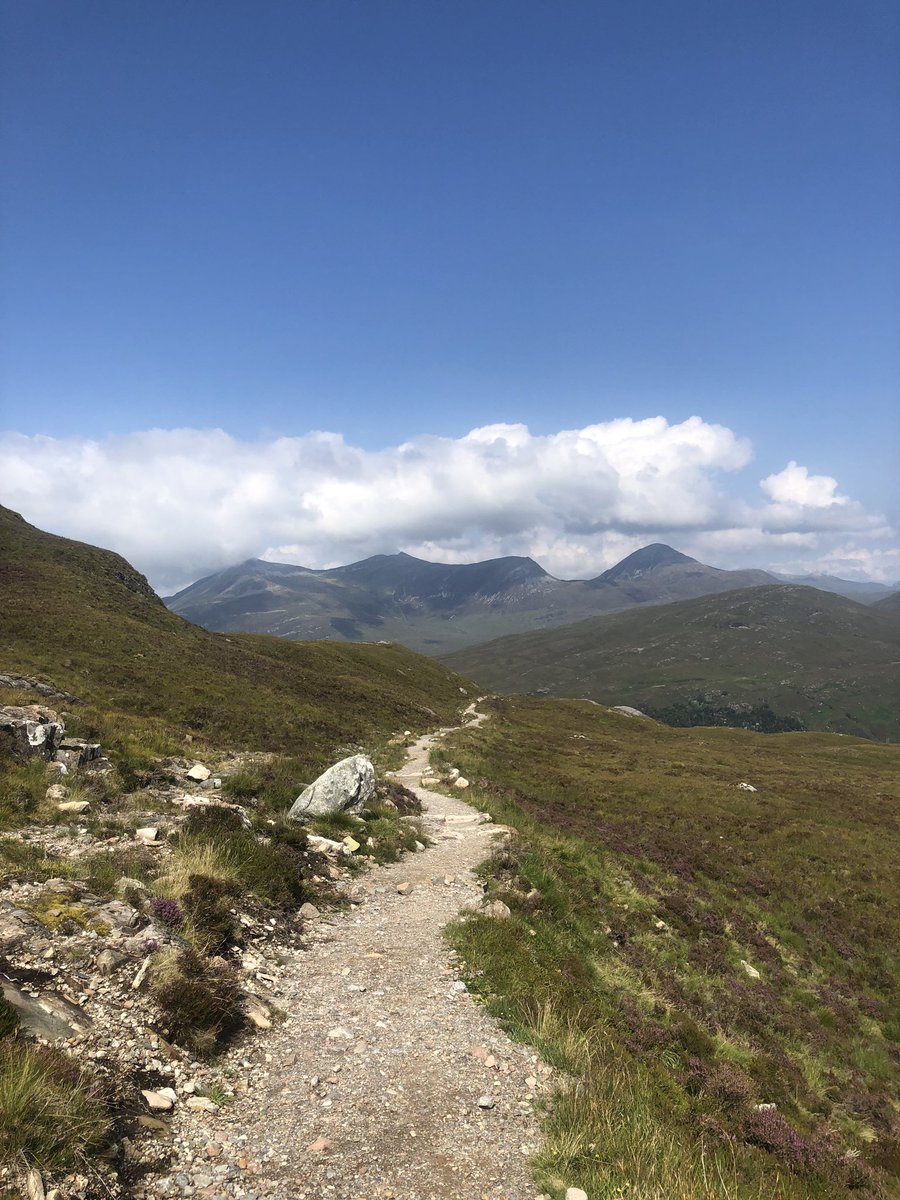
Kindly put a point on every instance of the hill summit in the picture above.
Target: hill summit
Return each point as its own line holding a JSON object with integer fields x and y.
{"x": 636, "y": 565}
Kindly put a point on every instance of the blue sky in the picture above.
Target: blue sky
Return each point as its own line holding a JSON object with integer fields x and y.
{"x": 408, "y": 220}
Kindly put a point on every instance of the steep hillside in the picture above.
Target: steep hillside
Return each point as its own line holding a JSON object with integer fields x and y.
{"x": 84, "y": 620}
{"x": 438, "y": 607}
{"x": 831, "y": 662}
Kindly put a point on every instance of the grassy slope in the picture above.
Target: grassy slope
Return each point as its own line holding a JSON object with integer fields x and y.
{"x": 625, "y": 824}
{"x": 84, "y": 620}
{"x": 828, "y": 660}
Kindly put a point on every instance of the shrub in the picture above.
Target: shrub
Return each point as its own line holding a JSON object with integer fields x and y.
{"x": 207, "y": 915}
{"x": 768, "y": 1130}
{"x": 214, "y": 822}
{"x": 200, "y": 999}
{"x": 241, "y": 786}
{"x": 406, "y": 803}
{"x": 167, "y": 912}
{"x": 51, "y": 1110}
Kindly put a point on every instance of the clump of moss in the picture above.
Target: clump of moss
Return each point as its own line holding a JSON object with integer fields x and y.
{"x": 61, "y": 914}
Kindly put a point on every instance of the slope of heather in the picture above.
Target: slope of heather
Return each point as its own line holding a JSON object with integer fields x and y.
{"x": 84, "y": 620}
{"x": 715, "y": 964}
{"x": 829, "y": 661}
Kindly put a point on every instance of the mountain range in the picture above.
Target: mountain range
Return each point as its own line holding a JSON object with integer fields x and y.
{"x": 436, "y": 608}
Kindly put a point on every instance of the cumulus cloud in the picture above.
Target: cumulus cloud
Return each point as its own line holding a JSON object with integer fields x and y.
{"x": 183, "y": 503}
{"x": 794, "y": 485}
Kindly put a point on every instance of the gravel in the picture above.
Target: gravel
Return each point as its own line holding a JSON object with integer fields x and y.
{"x": 374, "y": 1086}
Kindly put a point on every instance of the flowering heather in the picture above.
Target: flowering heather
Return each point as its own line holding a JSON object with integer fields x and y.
{"x": 167, "y": 912}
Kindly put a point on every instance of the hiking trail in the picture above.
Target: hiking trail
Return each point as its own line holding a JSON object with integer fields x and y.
{"x": 386, "y": 1080}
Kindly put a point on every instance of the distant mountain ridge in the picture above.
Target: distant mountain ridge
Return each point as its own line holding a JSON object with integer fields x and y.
{"x": 866, "y": 591}
{"x": 438, "y": 607}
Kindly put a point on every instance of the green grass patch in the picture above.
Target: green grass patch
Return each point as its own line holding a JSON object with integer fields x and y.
{"x": 52, "y": 1112}
{"x": 640, "y": 880}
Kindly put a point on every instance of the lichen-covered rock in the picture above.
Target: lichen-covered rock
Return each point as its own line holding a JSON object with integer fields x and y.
{"x": 30, "y": 731}
{"x": 348, "y": 786}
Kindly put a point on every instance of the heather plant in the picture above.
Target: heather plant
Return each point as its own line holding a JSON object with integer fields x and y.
{"x": 200, "y": 998}
{"x": 167, "y": 912}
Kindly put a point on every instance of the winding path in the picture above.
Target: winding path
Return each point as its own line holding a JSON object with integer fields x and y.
{"x": 370, "y": 1088}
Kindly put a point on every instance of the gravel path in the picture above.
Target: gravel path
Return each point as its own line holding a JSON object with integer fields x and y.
{"x": 371, "y": 1087}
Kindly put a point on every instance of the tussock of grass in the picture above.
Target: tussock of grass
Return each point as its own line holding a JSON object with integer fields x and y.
{"x": 22, "y": 790}
{"x": 51, "y": 1110}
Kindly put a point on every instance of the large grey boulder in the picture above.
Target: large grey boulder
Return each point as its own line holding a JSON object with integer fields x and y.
{"x": 30, "y": 731}
{"x": 348, "y": 786}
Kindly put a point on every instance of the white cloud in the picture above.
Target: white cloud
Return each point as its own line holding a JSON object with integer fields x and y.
{"x": 795, "y": 485}
{"x": 183, "y": 503}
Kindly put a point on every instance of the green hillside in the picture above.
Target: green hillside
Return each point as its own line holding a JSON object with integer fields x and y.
{"x": 714, "y": 964}
{"x": 829, "y": 661}
{"x": 83, "y": 620}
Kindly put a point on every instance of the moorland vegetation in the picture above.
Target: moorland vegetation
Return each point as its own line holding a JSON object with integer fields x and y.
{"x": 703, "y": 934}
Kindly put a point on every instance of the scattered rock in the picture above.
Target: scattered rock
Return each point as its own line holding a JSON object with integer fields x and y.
{"x": 319, "y": 1146}
{"x": 324, "y": 845}
{"x": 153, "y": 1124}
{"x": 71, "y": 806}
{"x": 404, "y": 888}
{"x": 496, "y": 908}
{"x": 74, "y": 754}
{"x": 159, "y": 1101}
{"x": 577, "y": 1193}
{"x": 201, "y": 1104}
{"x": 148, "y": 834}
{"x": 627, "y": 711}
{"x": 108, "y": 961}
{"x": 308, "y": 911}
{"x": 49, "y": 1015}
{"x": 751, "y": 970}
{"x": 34, "y": 1185}
{"x": 258, "y": 1013}
{"x": 138, "y": 980}
{"x": 747, "y": 787}
{"x": 56, "y": 791}
{"x": 485, "y": 1101}
{"x": 199, "y": 773}
{"x": 461, "y": 783}
{"x": 348, "y": 786}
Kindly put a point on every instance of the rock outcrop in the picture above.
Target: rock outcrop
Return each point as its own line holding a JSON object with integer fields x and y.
{"x": 348, "y": 786}
{"x": 30, "y": 731}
